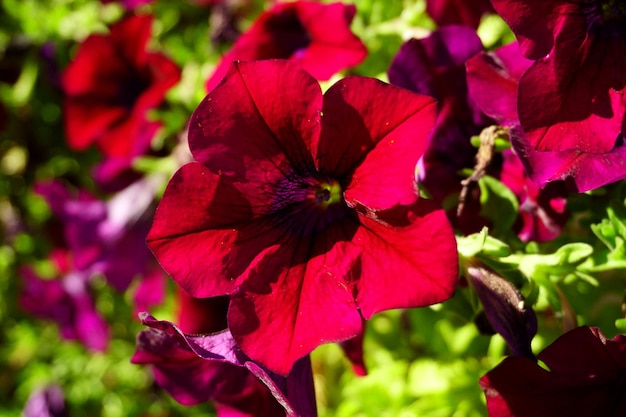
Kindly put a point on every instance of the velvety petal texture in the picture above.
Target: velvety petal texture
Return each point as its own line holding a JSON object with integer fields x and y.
{"x": 302, "y": 207}
{"x": 111, "y": 84}
{"x": 299, "y": 31}
{"x": 493, "y": 79}
{"x": 578, "y": 81}
{"x": 195, "y": 369}
{"x": 586, "y": 377}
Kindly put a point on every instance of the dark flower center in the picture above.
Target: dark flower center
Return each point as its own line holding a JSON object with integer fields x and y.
{"x": 613, "y": 10}
{"x": 131, "y": 89}
{"x": 606, "y": 18}
{"x": 289, "y": 36}
{"x": 307, "y": 204}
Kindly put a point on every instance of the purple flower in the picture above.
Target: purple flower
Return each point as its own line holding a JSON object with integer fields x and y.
{"x": 65, "y": 299}
{"x": 199, "y": 368}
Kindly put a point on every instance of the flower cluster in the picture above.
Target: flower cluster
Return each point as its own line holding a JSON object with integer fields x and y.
{"x": 285, "y": 208}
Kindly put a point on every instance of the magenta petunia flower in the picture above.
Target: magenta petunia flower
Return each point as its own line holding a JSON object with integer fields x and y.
{"x": 299, "y": 31}
{"x": 579, "y": 75}
{"x": 66, "y": 300}
{"x": 458, "y": 12}
{"x": 111, "y": 84}
{"x": 303, "y": 208}
{"x": 493, "y": 79}
{"x": 199, "y": 368}
{"x": 46, "y": 402}
{"x": 586, "y": 377}
{"x": 106, "y": 237}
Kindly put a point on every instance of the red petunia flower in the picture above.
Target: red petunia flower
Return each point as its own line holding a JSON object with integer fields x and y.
{"x": 586, "y": 378}
{"x": 579, "y": 75}
{"x": 303, "y": 208}
{"x": 315, "y": 35}
{"x": 111, "y": 85}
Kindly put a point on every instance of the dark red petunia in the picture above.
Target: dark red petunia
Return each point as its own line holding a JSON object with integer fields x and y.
{"x": 579, "y": 75}
{"x": 303, "y": 208}
{"x": 458, "y": 12}
{"x": 586, "y": 378}
{"x": 315, "y": 35}
{"x": 189, "y": 378}
{"x": 111, "y": 85}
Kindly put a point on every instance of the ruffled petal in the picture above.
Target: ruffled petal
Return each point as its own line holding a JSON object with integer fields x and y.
{"x": 298, "y": 297}
{"x": 371, "y": 142}
{"x": 408, "y": 259}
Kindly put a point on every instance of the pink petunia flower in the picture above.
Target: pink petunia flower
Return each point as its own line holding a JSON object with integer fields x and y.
{"x": 586, "y": 377}
{"x": 578, "y": 78}
{"x": 493, "y": 79}
{"x": 111, "y": 85}
{"x": 300, "y": 31}
{"x": 303, "y": 208}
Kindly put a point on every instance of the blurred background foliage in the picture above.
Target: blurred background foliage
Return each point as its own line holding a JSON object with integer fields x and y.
{"x": 422, "y": 362}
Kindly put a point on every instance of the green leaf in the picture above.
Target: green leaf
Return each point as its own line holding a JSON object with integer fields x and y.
{"x": 499, "y": 204}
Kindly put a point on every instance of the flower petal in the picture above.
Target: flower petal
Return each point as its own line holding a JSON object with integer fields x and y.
{"x": 400, "y": 267}
{"x": 492, "y": 79}
{"x": 193, "y": 240}
{"x": 373, "y": 142}
{"x": 168, "y": 347}
{"x": 576, "y": 114}
{"x": 300, "y": 304}
{"x": 258, "y": 123}
{"x": 585, "y": 171}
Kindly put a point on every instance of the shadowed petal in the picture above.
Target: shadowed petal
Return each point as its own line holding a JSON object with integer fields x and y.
{"x": 586, "y": 378}
{"x": 173, "y": 351}
{"x": 299, "y": 305}
{"x": 260, "y": 121}
{"x": 577, "y": 112}
{"x": 364, "y": 130}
